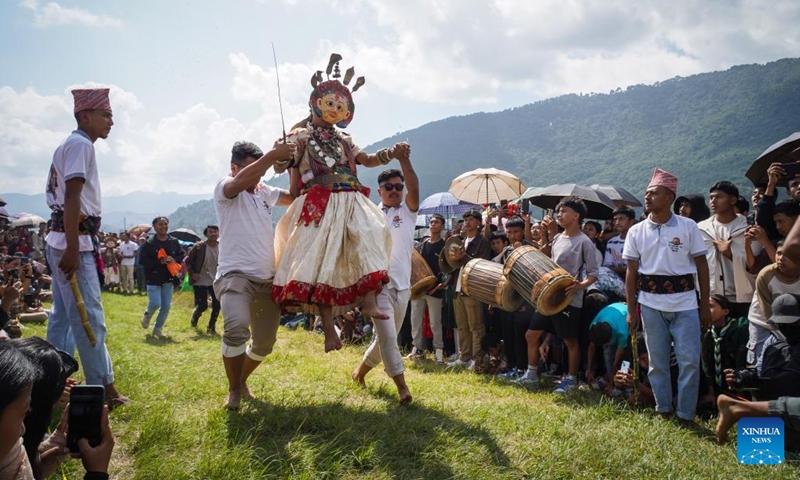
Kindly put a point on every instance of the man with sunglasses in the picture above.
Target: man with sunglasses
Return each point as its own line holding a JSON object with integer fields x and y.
{"x": 401, "y": 215}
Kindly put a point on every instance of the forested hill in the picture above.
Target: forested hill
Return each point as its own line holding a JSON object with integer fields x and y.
{"x": 703, "y": 128}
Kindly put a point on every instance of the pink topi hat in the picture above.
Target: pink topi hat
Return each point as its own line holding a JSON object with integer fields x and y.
{"x": 662, "y": 178}
{"x": 91, "y": 99}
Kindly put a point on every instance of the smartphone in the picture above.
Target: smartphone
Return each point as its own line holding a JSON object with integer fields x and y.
{"x": 526, "y": 205}
{"x": 24, "y": 260}
{"x": 625, "y": 366}
{"x": 792, "y": 170}
{"x": 85, "y": 411}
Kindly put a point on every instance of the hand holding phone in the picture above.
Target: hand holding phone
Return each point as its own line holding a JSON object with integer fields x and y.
{"x": 625, "y": 366}
{"x": 96, "y": 459}
{"x": 85, "y": 412}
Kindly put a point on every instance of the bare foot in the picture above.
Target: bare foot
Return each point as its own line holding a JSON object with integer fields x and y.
{"x": 358, "y": 379}
{"x": 234, "y": 400}
{"x": 374, "y": 313}
{"x": 727, "y": 418}
{"x": 117, "y": 401}
{"x": 332, "y": 341}
{"x": 246, "y": 393}
{"x": 405, "y": 396}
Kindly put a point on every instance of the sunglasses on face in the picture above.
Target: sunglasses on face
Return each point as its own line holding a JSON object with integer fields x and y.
{"x": 397, "y": 186}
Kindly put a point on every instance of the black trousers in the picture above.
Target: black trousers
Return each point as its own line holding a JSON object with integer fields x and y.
{"x": 201, "y": 293}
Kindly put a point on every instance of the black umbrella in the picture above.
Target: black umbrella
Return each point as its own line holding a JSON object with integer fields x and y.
{"x": 185, "y": 234}
{"x": 779, "y": 152}
{"x": 598, "y": 205}
{"x": 618, "y": 195}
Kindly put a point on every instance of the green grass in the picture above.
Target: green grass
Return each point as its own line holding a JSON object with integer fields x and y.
{"x": 311, "y": 421}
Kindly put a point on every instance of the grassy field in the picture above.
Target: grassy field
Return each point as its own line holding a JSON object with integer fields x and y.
{"x": 311, "y": 421}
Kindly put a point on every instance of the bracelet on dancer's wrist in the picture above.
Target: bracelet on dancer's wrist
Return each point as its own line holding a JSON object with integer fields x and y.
{"x": 383, "y": 156}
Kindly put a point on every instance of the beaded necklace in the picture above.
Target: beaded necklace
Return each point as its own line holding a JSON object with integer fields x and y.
{"x": 325, "y": 145}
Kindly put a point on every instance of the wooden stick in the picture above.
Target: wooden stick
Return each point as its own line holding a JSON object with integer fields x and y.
{"x": 635, "y": 352}
{"x": 87, "y": 327}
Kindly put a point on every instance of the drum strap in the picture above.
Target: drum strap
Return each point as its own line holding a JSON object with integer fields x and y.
{"x": 665, "y": 284}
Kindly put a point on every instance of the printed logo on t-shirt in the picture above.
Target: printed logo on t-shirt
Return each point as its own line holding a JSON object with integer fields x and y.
{"x": 676, "y": 245}
{"x": 397, "y": 221}
{"x": 267, "y": 207}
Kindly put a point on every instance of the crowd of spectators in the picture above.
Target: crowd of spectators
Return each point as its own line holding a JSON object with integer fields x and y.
{"x": 749, "y": 352}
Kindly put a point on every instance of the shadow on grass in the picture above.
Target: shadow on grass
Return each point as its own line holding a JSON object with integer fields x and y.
{"x": 198, "y": 335}
{"x": 152, "y": 340}
{"x": 331, "y": 440}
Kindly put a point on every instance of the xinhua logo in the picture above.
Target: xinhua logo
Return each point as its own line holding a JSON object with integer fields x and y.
{"x": 760, "y": 441}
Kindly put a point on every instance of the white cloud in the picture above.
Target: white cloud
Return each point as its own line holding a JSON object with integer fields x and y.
{"x": 440, "y": 55}
{"x": 470, "y": 51}
{"x": 54, "y": 14}
{"x": 186, "y": 152}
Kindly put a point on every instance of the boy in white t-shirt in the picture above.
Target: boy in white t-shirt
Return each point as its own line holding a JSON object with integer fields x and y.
{"x": 73, "y": 194}
{"x": 128, "y": 251}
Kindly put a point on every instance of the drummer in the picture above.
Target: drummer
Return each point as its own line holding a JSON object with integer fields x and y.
{"x": 469, "y": 311}
{"x": 573, "y": 251}
{"x": 514, "y": 325}
{"x": 430, "y": 250}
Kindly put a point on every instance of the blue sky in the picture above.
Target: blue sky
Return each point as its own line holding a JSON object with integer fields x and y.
{"x": 190, "y": 77}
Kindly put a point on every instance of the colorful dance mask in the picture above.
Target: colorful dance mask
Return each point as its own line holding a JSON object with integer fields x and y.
{"x": 331, "y": 100}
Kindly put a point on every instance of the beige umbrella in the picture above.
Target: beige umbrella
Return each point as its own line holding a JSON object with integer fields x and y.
{"x": 28, "y": 220}
{"x": 486, "y": 185}
{"x": 140, "y": 229}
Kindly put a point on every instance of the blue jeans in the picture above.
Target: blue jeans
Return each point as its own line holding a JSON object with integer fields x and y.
{"x": 160, "y": 298}
{"x": 609, "y": 355}
{"x": 64, "y": 328}
{"x": 682, "y": 331}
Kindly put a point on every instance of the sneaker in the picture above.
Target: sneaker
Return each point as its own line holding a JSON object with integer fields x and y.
{"x": 439, "y": 356}
{"x": 527, "y": 382}
{"x": 616, "y": 392}
{"x": 453, "y": 357}
{"x": 416, "y": 354}
{"x": 567, "y": 385}
{"x": 146, "y": 320}
{"x": 159, "y": 334}
{"x": 211, "y": 331}
{"x": 471, "y": 366}
{"x": 512, "y": 374}
{"x": 458, "y": 363}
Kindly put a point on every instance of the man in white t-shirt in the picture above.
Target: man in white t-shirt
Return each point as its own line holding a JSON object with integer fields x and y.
{"x": 73, "y": 194}
{"x": 246, "y": 266}
{"x": 664, "y": 254}
{"x": 128, "y": 250}
{"x": 724, "y": 235}
{"x": 624, "y": 218}
{"x": 393, "y": 299}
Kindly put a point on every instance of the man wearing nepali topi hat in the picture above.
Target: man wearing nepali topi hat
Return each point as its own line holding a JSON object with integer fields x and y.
{"x": 664, "y": 254}
{"x": 73, "y": 195}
